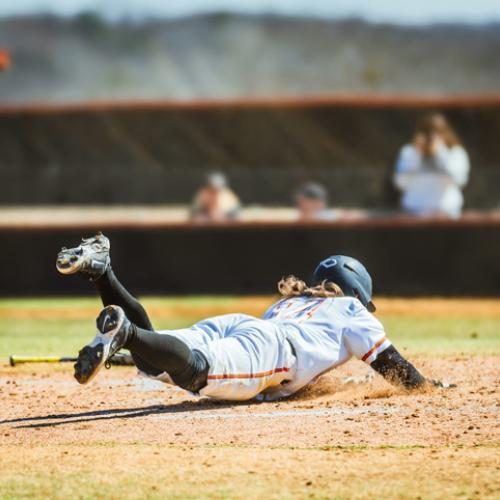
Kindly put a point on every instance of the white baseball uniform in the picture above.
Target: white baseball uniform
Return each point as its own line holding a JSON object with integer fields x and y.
{"x": 299, "y": 339}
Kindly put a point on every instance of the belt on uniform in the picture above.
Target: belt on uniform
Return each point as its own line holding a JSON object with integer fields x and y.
{"x": 292, "y": 348}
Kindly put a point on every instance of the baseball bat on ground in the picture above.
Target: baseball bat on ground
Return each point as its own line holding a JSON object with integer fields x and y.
{"x": 117, "y": 359}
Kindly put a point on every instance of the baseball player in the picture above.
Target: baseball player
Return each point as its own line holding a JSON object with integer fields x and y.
{"x": 310, "y": 331}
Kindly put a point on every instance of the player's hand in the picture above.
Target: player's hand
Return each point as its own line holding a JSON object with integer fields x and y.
{"x": 442, "y": 385}
{"x": 435, "y": 143}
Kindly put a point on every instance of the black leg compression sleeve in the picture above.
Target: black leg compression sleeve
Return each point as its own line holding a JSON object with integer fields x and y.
{"x": 112, "y": 292}
{"x": 187, "y": 368}
{"x": 397, "y": 370}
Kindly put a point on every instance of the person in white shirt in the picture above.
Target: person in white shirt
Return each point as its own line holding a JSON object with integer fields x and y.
{"x": 432, "y": 170}
{"x": 311, "y": 330}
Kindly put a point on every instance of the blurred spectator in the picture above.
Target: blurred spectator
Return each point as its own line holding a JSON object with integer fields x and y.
{"x": 311, "y": 200}
{"x": 215, "y": 201}
{"x": 431, "y": 170}
{"x": 4, "y": 60}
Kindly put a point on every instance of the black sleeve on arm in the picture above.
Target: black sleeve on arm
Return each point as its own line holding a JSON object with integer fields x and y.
{"x": 397, "y": 370}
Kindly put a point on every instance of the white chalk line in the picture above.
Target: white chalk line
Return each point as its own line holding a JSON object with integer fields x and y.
{"x": 280, "y": 414}
{"x": 321, "y": 413}
{"x": 147, "y": 385}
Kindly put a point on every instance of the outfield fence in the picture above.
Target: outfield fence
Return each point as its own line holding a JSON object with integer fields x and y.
{"x": 406, "y": 257}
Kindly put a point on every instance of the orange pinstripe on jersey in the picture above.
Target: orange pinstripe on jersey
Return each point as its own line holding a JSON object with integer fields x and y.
{"x": 373, "y": 349}
{"x": 247, "y": 375}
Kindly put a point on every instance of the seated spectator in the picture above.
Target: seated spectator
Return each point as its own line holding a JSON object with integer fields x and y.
{"x": 311, "y": 200}
{"x": 215, "y": 201}
{"x": 432, "y": 169}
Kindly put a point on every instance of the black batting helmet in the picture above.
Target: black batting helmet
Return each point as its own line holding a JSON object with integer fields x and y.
{"x": 349, "y": 274}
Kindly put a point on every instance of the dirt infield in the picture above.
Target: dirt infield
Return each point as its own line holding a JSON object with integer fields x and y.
{"x": 51, "y": 427}
{"x": 50, "y": 406}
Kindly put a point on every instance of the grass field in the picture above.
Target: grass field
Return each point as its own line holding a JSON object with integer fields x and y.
{"x": 123, "y": 438}
{"x": 61, "y": 326}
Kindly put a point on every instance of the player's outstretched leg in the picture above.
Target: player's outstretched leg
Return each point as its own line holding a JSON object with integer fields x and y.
{"x": 112, "y": 334}
{"x": 90, "y": 258}
{"x": 188, "y": 368}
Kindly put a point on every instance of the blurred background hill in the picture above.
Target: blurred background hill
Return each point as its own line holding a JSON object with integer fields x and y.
{"x": 229, "y": 55}
{"x": 79, "y": 160}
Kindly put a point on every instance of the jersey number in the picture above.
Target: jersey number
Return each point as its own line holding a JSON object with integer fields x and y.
{"x": 295, "y": 309}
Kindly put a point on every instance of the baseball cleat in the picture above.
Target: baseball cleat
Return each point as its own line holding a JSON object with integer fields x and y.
{"x": 112, "y": 333}
{"x": 90, "y": 258}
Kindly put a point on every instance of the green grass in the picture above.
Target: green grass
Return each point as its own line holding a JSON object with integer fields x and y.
{"x": 444, "y": 336}
{"x": 62, "y": 336}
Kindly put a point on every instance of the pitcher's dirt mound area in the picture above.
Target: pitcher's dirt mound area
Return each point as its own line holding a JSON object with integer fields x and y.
{"x": 334, "y": 439}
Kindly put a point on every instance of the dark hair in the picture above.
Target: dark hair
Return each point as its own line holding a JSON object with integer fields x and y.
{"x": 437, "y": 123}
